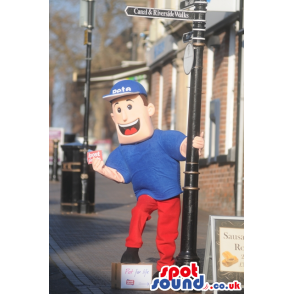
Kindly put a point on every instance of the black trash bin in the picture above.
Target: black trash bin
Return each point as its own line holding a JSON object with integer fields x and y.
{"x": 71, "y": 186}
{"x": 69, "y": 138}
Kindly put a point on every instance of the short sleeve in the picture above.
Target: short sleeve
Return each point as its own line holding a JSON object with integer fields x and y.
{"x": 171, "y": 141}
{"x": 115, "y": 160}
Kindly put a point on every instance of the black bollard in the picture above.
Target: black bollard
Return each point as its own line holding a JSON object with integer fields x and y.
{"x": 54, "y": 175}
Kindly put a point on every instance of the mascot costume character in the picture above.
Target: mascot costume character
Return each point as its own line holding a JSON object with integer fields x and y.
{"x": 150, "y": 160}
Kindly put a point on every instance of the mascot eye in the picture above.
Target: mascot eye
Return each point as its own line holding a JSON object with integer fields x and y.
{"x": 130, "y": 106}
{"x": 119, "y": 110}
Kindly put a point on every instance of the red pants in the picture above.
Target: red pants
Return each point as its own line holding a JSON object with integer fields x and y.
{"x": 167, "y": 226}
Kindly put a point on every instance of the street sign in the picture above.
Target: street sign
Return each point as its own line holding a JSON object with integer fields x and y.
{"x": 190, "y": 3}
{"x": 84, "y": 21}
{"x": 164, "y": 13}
{"x": 187, "y": 37}
{"x": 188, "y": 58}
{"x": 83, "y": 13}
{"x": 186, "y": 4}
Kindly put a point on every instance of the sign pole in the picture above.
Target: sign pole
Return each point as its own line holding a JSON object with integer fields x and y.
{"x": 84, "y": 204}
{"x": 190, "y": 196}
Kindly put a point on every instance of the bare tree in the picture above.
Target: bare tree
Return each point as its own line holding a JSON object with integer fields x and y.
{"x": 110, "y": 22}
{"x": 66, "y": 37}
{"x": 67, "y": 52}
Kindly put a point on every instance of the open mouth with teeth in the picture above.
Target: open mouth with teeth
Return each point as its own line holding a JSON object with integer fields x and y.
{"x": 131, "y": 128}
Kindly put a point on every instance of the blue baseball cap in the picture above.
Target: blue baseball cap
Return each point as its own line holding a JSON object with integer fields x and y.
{"x": 125, "y": 88}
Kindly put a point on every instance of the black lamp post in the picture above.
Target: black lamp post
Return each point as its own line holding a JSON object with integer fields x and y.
{"x": 190, "y": 196}
{"x": 84, "y": 204}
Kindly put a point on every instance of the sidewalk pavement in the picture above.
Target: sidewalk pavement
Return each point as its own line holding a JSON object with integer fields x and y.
{"x": 82, "y": 247}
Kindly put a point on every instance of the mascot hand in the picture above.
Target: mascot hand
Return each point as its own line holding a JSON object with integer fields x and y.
{"x": 198, "y": 142}
{"x": 98, "y": 165}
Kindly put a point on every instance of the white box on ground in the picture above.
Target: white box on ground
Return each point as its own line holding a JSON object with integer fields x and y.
{"x": 131, "y": 276}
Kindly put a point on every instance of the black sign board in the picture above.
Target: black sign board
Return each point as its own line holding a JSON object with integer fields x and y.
{"x": 224, "y": 252}
{"x": 163, "y": 13}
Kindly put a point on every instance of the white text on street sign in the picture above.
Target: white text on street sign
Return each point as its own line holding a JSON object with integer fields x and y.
{"x": 161, "y": 13}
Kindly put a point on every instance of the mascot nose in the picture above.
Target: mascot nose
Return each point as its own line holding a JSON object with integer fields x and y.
{"x": 124, "y": 115}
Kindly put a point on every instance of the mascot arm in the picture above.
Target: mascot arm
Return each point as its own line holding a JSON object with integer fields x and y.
{"x": 107, "y": 171}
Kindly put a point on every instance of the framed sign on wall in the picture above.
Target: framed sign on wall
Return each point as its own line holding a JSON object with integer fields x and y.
{"x": 224, "y": 251}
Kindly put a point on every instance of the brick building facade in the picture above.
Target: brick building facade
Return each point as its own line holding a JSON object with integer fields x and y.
{"x": 170, "y": 95}
{"x": 217, "y": 178}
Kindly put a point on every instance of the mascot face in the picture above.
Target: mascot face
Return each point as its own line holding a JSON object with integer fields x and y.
{"x": 132, "y": 118}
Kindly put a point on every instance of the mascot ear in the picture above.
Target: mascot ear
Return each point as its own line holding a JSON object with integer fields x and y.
{"x": 112, "y": 116}
{"x": 151, "y": 109}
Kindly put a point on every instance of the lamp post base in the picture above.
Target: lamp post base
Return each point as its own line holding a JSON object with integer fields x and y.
{"x": 83, "y": 207}
{"x": 184, "y": 258}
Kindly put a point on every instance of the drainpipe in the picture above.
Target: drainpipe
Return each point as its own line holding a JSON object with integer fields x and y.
{"x": 240, "y": 120}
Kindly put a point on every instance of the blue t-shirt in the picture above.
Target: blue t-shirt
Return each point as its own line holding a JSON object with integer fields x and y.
{"x": 152, "y": 165}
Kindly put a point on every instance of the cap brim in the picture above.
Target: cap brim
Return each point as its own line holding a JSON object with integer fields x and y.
{"x": 114, "y": 96}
